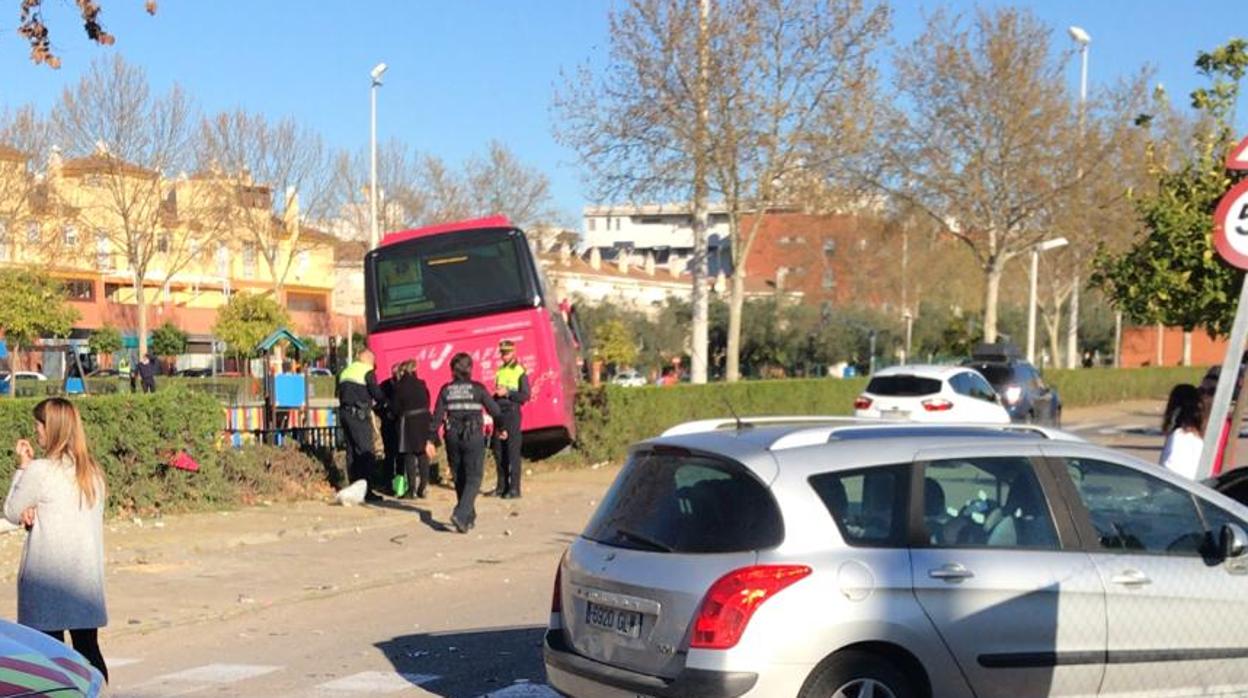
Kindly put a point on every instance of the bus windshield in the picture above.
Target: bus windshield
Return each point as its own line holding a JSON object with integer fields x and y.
{"x": 451, "y": 275}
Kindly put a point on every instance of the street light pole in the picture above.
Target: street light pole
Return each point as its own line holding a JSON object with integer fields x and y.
{"x": 1031, "y": 303}
{"x": 372, "y": 151}
{"x": 1083, "y": 39}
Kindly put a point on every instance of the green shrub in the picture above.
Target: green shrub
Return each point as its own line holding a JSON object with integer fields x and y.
{"x": 134, "y": 436}
{"x": 611, "y": 418}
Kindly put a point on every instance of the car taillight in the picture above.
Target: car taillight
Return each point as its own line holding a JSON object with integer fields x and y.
{"x": 556, "y": 597}
{"x": 733, "y": 599}
{"x": 862, "y": 402}
{"x": 937, "y": 405}
{"x": 1013, "y": 394}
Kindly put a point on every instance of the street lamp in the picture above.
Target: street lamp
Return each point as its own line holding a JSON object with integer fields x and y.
{"x": 376, "y": 74}
{"x": 1082, "y": 38}
{"x": 1031, "y": 305}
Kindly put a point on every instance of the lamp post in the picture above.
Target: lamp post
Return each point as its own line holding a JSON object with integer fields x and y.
{"x": 372, "y": 151}
{"x": 1031, "y": 304}
{"x": 1083, "y": 39}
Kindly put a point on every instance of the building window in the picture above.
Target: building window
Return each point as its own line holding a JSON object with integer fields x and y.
{"x": 223, "y": 260}
{"x": 102, "y": 258}
{"x": 862, "y": 243}
{"x": 829, "y": 248}
{"x": 249, "y": 261}
{"x": 617, "y": 223}
{"x": 32, "y": 233}
{"x": 4, "y": 241}
{"x": 71, "y": 235}
{"x": 162, "y": 243}
{"x": 592, "y": 223}
{"x": 306, "y": 302}
{"x": 829, "y": 280}
{"x": 305, "y": 261}
{"x": 80, "y": 289}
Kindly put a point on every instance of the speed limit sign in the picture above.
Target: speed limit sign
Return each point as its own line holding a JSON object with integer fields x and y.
{"x": 1230, "y": 226}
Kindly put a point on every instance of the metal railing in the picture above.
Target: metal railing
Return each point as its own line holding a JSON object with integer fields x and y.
{"x": 320, "y": 438}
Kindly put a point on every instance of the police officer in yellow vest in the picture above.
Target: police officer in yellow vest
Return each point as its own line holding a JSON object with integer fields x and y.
{"x": 358, "y": 392}
{"x": 511, "y": 390}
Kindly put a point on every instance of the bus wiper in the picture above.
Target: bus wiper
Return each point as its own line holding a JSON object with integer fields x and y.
{"x": 642, "y": 538}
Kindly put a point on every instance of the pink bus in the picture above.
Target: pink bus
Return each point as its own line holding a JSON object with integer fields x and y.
{"x": 465, "y": 286}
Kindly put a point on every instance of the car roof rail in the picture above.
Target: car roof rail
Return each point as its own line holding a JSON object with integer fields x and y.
{"x": 703, "y": 426}
{"x": 862, "y": 429}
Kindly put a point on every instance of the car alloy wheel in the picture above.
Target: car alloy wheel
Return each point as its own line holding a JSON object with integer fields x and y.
{"x": 864, "y": 688}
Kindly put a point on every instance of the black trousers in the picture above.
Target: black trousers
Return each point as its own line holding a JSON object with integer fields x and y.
{"x": 507, "y": 465}
{"x": 87, "y": 643}
{"x": 416, "y": 469}
{"x": 361, "y": 461}
{"x": 390, "y": 443}
{"x": 149, "y": 385}
{"x": 465, "y": 450}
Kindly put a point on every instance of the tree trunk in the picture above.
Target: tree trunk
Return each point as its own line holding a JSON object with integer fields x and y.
{"x": 1161, "y": 345}
{"x": 992, "y": 293}
{"x": 736, "y": 304}
{"x": 1187, "y": 348}
{"x": 1072, "y": 330}
{"x": 140, "y": 300}
{"x": 1053, "y": 328}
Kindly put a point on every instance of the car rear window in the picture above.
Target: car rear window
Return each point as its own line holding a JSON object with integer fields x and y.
{"x": 674, "y": 501}
{"x": 996, "y": 374}
{"x": 903, "y": 386}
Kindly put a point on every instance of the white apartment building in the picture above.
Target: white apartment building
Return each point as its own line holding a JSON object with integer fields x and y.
{"x": 663, "y": 232}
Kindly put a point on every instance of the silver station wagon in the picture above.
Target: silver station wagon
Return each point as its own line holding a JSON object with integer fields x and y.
{"x": 847, "y": 559}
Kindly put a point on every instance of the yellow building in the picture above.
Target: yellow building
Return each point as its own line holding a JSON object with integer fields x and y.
{"x": 100, "y": 224}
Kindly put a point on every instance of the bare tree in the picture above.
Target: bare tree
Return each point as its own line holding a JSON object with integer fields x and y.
{"x": 24, "y": 142}
{"x": 793, "y": 97}
{"x": 641, "y": 126}
{"x": 271, "y": 177}
{"x": 129, "y": 140}
{"x": 35, "y": 31}
{"x": 983, "y": 136}
{"x": 499, "y": 183}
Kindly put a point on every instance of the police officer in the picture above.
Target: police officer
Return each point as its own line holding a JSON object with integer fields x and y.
{"x": 511, "y": 389}
{"x": 357, "y": 393}
{"x": 459, "y": 408}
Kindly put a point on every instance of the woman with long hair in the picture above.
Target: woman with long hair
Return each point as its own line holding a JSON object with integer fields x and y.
{"x": 411, "y": 410}
{"x": 1182, "y": 425}
{"x": 59, "y": 499}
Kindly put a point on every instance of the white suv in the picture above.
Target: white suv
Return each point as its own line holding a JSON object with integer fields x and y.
{"x": 849, "y": 559}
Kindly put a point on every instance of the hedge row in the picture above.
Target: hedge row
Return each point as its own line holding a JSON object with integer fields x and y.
{"x": 231, "y": 390}
{"x": 134, "y": 436}
{"x": 611, "y": 418}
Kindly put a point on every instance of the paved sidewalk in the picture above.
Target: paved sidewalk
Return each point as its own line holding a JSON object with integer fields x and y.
{"x": 199, "y": 567}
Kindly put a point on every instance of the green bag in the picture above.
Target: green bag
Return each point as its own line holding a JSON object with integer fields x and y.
{"x": 399, "y": 484}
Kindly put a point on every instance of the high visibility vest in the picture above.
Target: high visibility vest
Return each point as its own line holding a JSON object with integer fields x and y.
{"x": 123, "y": 367}
{"x": 508, "y": 376}
{"x": 355, "y": 372}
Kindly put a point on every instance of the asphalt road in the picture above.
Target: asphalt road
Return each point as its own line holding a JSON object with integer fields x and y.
{"x": 393, "y": 606}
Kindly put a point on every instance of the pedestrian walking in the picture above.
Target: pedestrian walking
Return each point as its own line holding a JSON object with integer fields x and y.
{"x": 458, "y": 411}
{"x": 59, "y": 499}
{"x": 414, "y": 443}
{"x": 1182, "y": 427}
{"x": 357, "y": 393}
{"x": 511, "y": 390}
{"x": 147, "y": 373}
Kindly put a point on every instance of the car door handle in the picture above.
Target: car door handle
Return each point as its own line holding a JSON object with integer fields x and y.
{"x": 1131, "y": 578}
{"x": 952, "y": 572}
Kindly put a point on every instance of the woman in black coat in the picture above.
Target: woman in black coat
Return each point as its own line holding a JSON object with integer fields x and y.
{"x": 411, "y": 413}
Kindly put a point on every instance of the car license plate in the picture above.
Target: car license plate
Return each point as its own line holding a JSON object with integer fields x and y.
{"x": 626, "y": 623}
{"x": 895, "y": 414}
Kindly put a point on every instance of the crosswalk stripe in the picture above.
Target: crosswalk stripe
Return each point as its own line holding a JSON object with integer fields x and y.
{"x": 219, "y": 673}
{"x": 118, "y": 662}
{"x": 377, "y": 682}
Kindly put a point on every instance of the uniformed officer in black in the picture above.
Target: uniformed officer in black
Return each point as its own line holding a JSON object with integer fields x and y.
{"x": 459, "y": 406}
{"x": 357, "y": 393}
{"x": 511, "y": 389}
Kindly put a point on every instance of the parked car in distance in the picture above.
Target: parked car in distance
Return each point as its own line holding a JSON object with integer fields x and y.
{"x": 772, "y": 559}
{"x": 319, "y": 371}
{"x": 628, "y": 379}
{"x": 37, "y": 665}
{"x": 930, "y": 394}
{"x": 1025, "y": 395}
{"x": 6, "y": 379}
{"x": 195, "y": 373}
{"x": 104, "y": 373}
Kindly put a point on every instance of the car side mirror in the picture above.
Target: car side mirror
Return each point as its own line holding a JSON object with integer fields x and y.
{"x": 1233, "y": 542}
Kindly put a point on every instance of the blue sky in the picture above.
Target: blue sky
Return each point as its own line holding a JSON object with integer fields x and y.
{"x": 465, "y": 71}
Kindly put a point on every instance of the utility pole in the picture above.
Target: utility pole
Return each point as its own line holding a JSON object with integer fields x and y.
{"x": 1082, "y": 38}
{"x": 701, "y": 303}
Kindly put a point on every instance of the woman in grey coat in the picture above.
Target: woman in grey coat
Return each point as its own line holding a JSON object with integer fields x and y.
{"x": 60, "y": 500}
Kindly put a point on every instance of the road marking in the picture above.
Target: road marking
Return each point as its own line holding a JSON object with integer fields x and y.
{"x": 377, "y": 682}
{"x": 118, "y": 662}
{"x": 220, "y": 673}
{"x": 1089, "y": 426}
{"x": 525, "y": 690}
